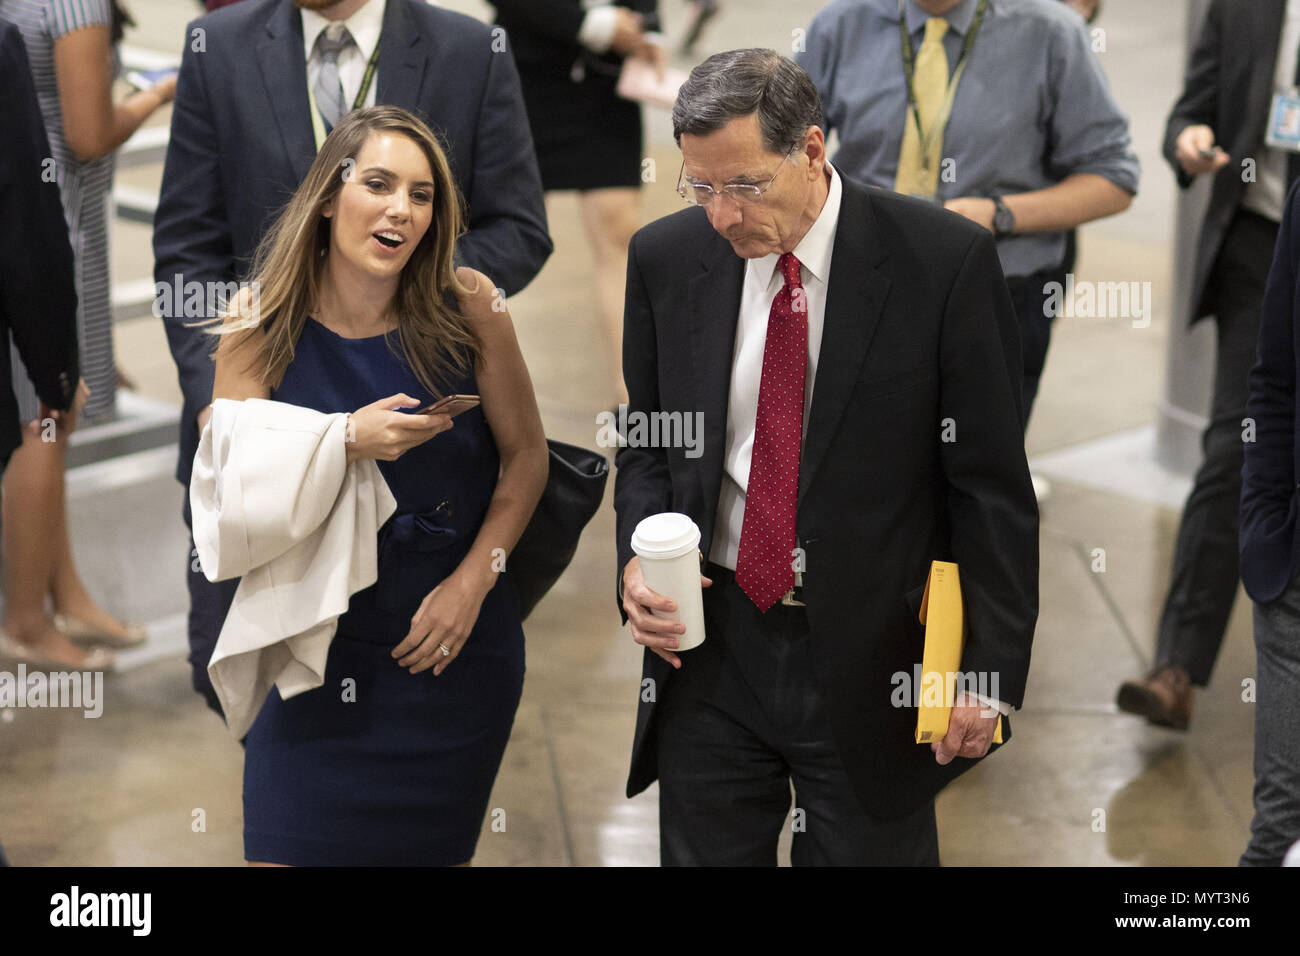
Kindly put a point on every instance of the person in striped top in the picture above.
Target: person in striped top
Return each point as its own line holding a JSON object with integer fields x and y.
{"x": 72, "y": 48}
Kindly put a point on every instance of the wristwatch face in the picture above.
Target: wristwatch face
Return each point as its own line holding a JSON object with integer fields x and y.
{"x": 1003, "y": 220}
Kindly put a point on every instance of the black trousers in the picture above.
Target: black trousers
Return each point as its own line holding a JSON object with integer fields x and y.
{"x": 209, "y": 604}
{"x": 1029, "y": 294}
{"x": 1203, "y": 584}
{"x": 741, "y": 721}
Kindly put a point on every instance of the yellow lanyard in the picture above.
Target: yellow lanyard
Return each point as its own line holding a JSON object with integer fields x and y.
{"x": 318, "y": 124}
{"x": 928, "y": 137}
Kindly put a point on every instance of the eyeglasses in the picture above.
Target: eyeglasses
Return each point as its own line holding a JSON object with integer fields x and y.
{"x": 744, "y": 194}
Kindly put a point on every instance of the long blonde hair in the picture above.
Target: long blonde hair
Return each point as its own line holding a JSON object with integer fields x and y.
{"x": 432, "y": 334}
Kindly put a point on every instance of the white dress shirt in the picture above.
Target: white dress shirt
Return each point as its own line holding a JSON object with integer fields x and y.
{"x": 365, "y": 26}
{"x": 762, "y": 282}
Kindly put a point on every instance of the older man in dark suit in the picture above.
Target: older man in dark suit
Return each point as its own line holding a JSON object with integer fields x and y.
{"x": 855, "y": 357}
{"x": 261, "y": 84}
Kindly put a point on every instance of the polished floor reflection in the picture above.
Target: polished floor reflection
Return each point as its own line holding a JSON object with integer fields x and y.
{"x": 156, "y": 779}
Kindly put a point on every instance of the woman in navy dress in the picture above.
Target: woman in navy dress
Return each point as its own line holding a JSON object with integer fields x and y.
{"x": 359, "y": 309}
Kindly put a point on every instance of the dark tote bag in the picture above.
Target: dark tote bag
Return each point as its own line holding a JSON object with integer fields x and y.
{"x": 575, "y": 488}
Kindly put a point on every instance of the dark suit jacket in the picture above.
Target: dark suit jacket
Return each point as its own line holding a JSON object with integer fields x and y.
{"x": 1228, "y": 87}
{"x": 919, "y": 328}
{"x": 1267, "y": 536}
{"x": 38, "y": 294}
{"x": 241, "y": 142}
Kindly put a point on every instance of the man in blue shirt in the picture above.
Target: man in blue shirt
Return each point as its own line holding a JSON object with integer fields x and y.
{"x": 1015, "y": 130}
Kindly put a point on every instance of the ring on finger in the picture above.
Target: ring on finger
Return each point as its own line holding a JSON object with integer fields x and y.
{"x": 446, "y": 651}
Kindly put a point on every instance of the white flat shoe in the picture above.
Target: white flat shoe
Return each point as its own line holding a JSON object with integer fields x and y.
{"x": 83, "y": 634}
{"x": 97, "y": 659}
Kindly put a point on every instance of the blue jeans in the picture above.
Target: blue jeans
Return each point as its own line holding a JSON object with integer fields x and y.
{"x": 1276, "y": 825}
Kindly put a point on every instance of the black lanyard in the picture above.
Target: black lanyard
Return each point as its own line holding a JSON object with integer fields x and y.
{"x": 368, "y": 76}
{"x": 909, "y": 59}
{"x": 318, "y": 121}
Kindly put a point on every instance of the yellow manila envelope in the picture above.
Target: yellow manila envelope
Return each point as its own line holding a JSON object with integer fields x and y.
{"x": 944, "y": 618}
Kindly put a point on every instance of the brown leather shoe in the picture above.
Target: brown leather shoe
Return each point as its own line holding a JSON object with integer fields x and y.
{"x": 1164, "y": 697}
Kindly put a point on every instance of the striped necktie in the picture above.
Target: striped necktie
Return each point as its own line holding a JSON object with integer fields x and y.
{"x": 328, "y": 88}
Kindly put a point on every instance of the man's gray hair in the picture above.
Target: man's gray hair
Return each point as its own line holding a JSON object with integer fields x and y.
{"x": 741, "y": 82}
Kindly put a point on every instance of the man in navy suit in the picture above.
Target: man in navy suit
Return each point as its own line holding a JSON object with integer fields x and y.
{"x": 1269, "y": 556}
{"x": 252, "y": 105}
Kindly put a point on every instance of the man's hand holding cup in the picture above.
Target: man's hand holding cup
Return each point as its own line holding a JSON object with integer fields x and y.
{"x": 657, "y": 633}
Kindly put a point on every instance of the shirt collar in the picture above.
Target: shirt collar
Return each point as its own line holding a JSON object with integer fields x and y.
{"x": 364, "y": 25}
{"x": 959, "y": 17}
{"x": 814, "y": 249}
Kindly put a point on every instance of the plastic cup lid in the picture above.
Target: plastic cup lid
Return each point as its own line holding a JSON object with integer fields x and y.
{"x": 666, "y": 535}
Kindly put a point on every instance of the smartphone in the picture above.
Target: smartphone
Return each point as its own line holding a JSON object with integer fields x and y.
{"x": 452, "y": 405}
{"x": 1209, "y": 153}
{"x": 143, "y": 79}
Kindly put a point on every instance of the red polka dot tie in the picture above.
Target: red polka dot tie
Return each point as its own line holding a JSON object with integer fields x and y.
{"x": 765, "y": 562}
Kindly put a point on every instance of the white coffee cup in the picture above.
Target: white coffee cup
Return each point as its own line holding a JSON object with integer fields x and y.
{"x": 668, "y": 546}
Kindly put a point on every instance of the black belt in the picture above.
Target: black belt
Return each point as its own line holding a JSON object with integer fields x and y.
{"x": 721, "y": 575}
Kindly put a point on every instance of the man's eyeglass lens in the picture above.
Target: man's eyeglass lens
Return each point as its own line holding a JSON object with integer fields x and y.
{"x": 702, "y": 195}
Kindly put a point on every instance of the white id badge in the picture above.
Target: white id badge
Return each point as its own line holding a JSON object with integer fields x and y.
{"x": 1284, "y": 121}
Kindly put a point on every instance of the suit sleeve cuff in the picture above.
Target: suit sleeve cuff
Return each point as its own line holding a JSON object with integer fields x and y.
{"x": 995, "y": 704}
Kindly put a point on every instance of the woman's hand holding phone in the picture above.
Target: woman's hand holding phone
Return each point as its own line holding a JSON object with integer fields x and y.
{"x": 376, "y": 431}
{"x": 451, "y": 405}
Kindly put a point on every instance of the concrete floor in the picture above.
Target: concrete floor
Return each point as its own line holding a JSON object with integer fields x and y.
{"x": 156, "y": 779}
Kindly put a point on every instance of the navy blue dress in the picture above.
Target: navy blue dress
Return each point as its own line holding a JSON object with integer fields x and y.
{"x": 380, "y": 766}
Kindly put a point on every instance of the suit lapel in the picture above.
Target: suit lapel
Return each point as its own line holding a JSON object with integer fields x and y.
{"x": 853, "y": 305}
{"x": 284, "y": 75}
{"x": 1268, "y": 28}
{"x": 401, "y": 63}
{"x": 714, "y": 297}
